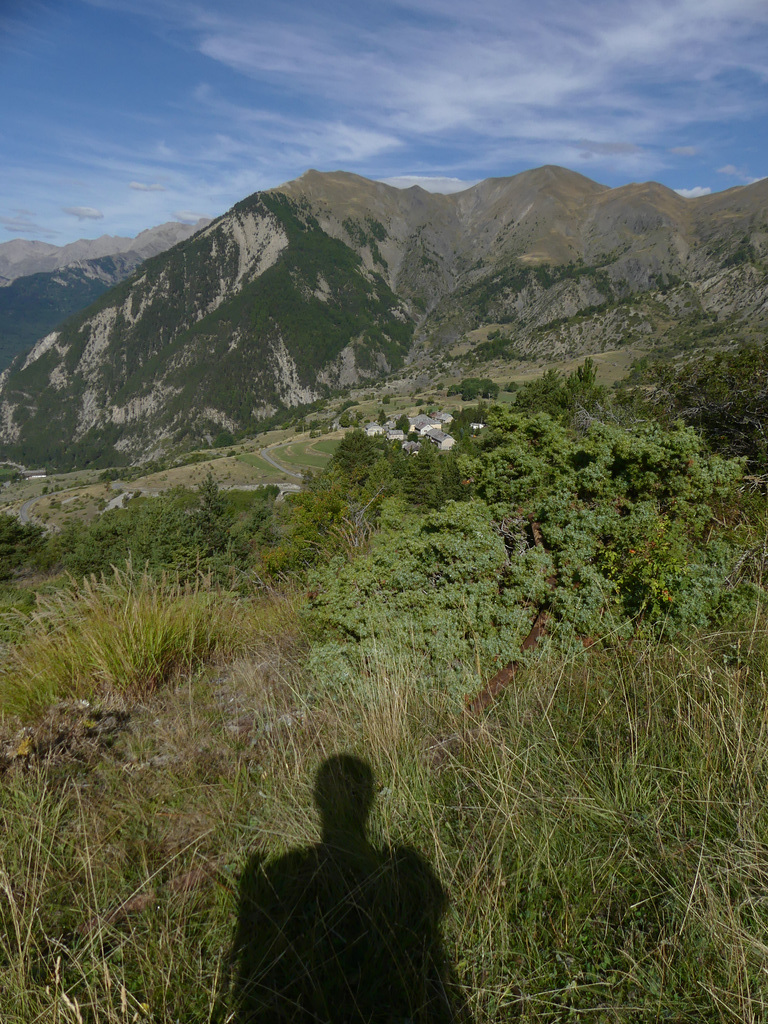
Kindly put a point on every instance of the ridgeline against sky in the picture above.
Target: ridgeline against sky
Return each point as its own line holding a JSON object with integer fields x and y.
{"x": 122, "y": 114}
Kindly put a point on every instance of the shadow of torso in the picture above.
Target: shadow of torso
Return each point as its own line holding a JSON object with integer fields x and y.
{"x": 341, "y": 933}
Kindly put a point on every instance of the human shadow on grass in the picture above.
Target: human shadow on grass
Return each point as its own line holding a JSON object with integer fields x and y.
{"x": 341, "y": 932}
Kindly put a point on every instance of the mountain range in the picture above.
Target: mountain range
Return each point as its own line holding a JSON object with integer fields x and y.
{"x": 333, "y": 279}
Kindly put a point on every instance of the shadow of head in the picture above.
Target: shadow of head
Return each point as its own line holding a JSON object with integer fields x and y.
{"x": 344, "y": 793}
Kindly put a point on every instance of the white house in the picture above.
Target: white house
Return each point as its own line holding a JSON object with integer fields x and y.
{"x": 421, "y": 423}
{"x": 427, "y": 428}
{"x": 372, "y": 429}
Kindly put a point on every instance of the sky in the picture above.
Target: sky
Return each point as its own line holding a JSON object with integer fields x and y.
{"x": 118, "y": 115}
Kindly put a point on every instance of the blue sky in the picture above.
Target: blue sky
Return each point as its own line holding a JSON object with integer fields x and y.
{"x": 121, "y": 114}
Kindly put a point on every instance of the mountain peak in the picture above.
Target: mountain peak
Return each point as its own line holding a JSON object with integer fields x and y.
{"x": 321, "y": 283}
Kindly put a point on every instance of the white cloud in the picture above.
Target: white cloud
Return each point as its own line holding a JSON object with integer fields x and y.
{"x": 444, "y": 186}
{"x": 188, "y": 216}
{"x": 737, "y": 172}
{"x": 83, "y": 212}
{"x": 608, "y": 87}
{"x": 695, "y": 192}
{"x": 606, "y": 148}
{"x": 499, "y": 71}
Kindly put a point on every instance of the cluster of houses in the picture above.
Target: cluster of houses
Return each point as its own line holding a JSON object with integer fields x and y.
{"x": 428, "y": 428}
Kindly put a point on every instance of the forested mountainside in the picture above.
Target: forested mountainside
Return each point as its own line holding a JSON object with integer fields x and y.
{"x": 331, "y": 279}
{"x": 258, "y": 311}
{"x": 31, "y": 306}
{"x": 42, "y": 284}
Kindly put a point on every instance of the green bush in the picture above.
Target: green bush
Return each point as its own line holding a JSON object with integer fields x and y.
{"x": 20, "y": 545}
{"x": 611, "y": 533}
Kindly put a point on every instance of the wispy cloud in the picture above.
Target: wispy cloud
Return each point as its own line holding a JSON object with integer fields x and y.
{"x": 739, "y": 173}
{"x": 437, "y": 93}
{"x": 435, "y": 183}
{"x": 23, "y": 222}
{"x": 499, "y": 70}
{"x": 693, "y": 193}
{"x": 188, "y": 216}
{"x": 83, "y": 212}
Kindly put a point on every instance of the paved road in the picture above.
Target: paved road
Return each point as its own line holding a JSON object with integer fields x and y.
{"x": 264, "y": 453}
{"x": 25, "y": 509}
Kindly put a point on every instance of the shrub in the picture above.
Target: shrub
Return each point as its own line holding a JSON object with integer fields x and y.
{"x": 610, "y": 533}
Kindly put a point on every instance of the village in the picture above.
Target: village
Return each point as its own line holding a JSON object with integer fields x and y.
{"x": 428, "y": 428}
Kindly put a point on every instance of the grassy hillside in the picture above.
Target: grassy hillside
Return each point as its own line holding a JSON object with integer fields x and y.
{"x": 598, "y": 838}
{"x": 478, "y": 736}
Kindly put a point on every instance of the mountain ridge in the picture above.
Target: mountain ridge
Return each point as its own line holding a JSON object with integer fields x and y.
{"x": 21, "y": 257}
{"x": 334, "y": 279}
{"x": 44, "y": 287}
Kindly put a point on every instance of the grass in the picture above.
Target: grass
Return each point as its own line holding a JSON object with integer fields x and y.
{"x": 125, "y": 634}
{"x": 313, "y": 454}
{"x": 228, "y": 471}
{"x": 601, "y": 834}
{"x": 251, "y": 459}
{"x": 328, "y": 445}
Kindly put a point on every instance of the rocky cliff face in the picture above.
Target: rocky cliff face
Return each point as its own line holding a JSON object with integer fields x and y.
{"x": 246, "y": 318}
{"x": 319, "y": 284}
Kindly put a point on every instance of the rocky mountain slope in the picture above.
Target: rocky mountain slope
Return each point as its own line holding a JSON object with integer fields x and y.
{"x": 262, "y": 310}
{"x": 560, "y": 262}
{"x": 31, "y": 306}
{"x": 41, "y": 284}
{"x": 321, "y": 283}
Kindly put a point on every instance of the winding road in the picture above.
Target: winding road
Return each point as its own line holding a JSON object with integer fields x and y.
{"x": 263, "y": 453}
{"x": 25, "y": 509}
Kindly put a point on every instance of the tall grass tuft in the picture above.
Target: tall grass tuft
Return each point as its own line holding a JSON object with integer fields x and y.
{"x": 127, "y": 633}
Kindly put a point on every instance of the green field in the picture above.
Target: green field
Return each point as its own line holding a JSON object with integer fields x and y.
{"x": 329, "y": 444}
{"x": 255, "y": 460}
{"x": 311, "y": 454}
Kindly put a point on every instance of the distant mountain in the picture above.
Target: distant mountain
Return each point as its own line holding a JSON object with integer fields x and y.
{"x": 260, "y": 311}
{"x": 20, "y": 258}
{"x": 41, "y": 284}
{"x": 333, "y": 279}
